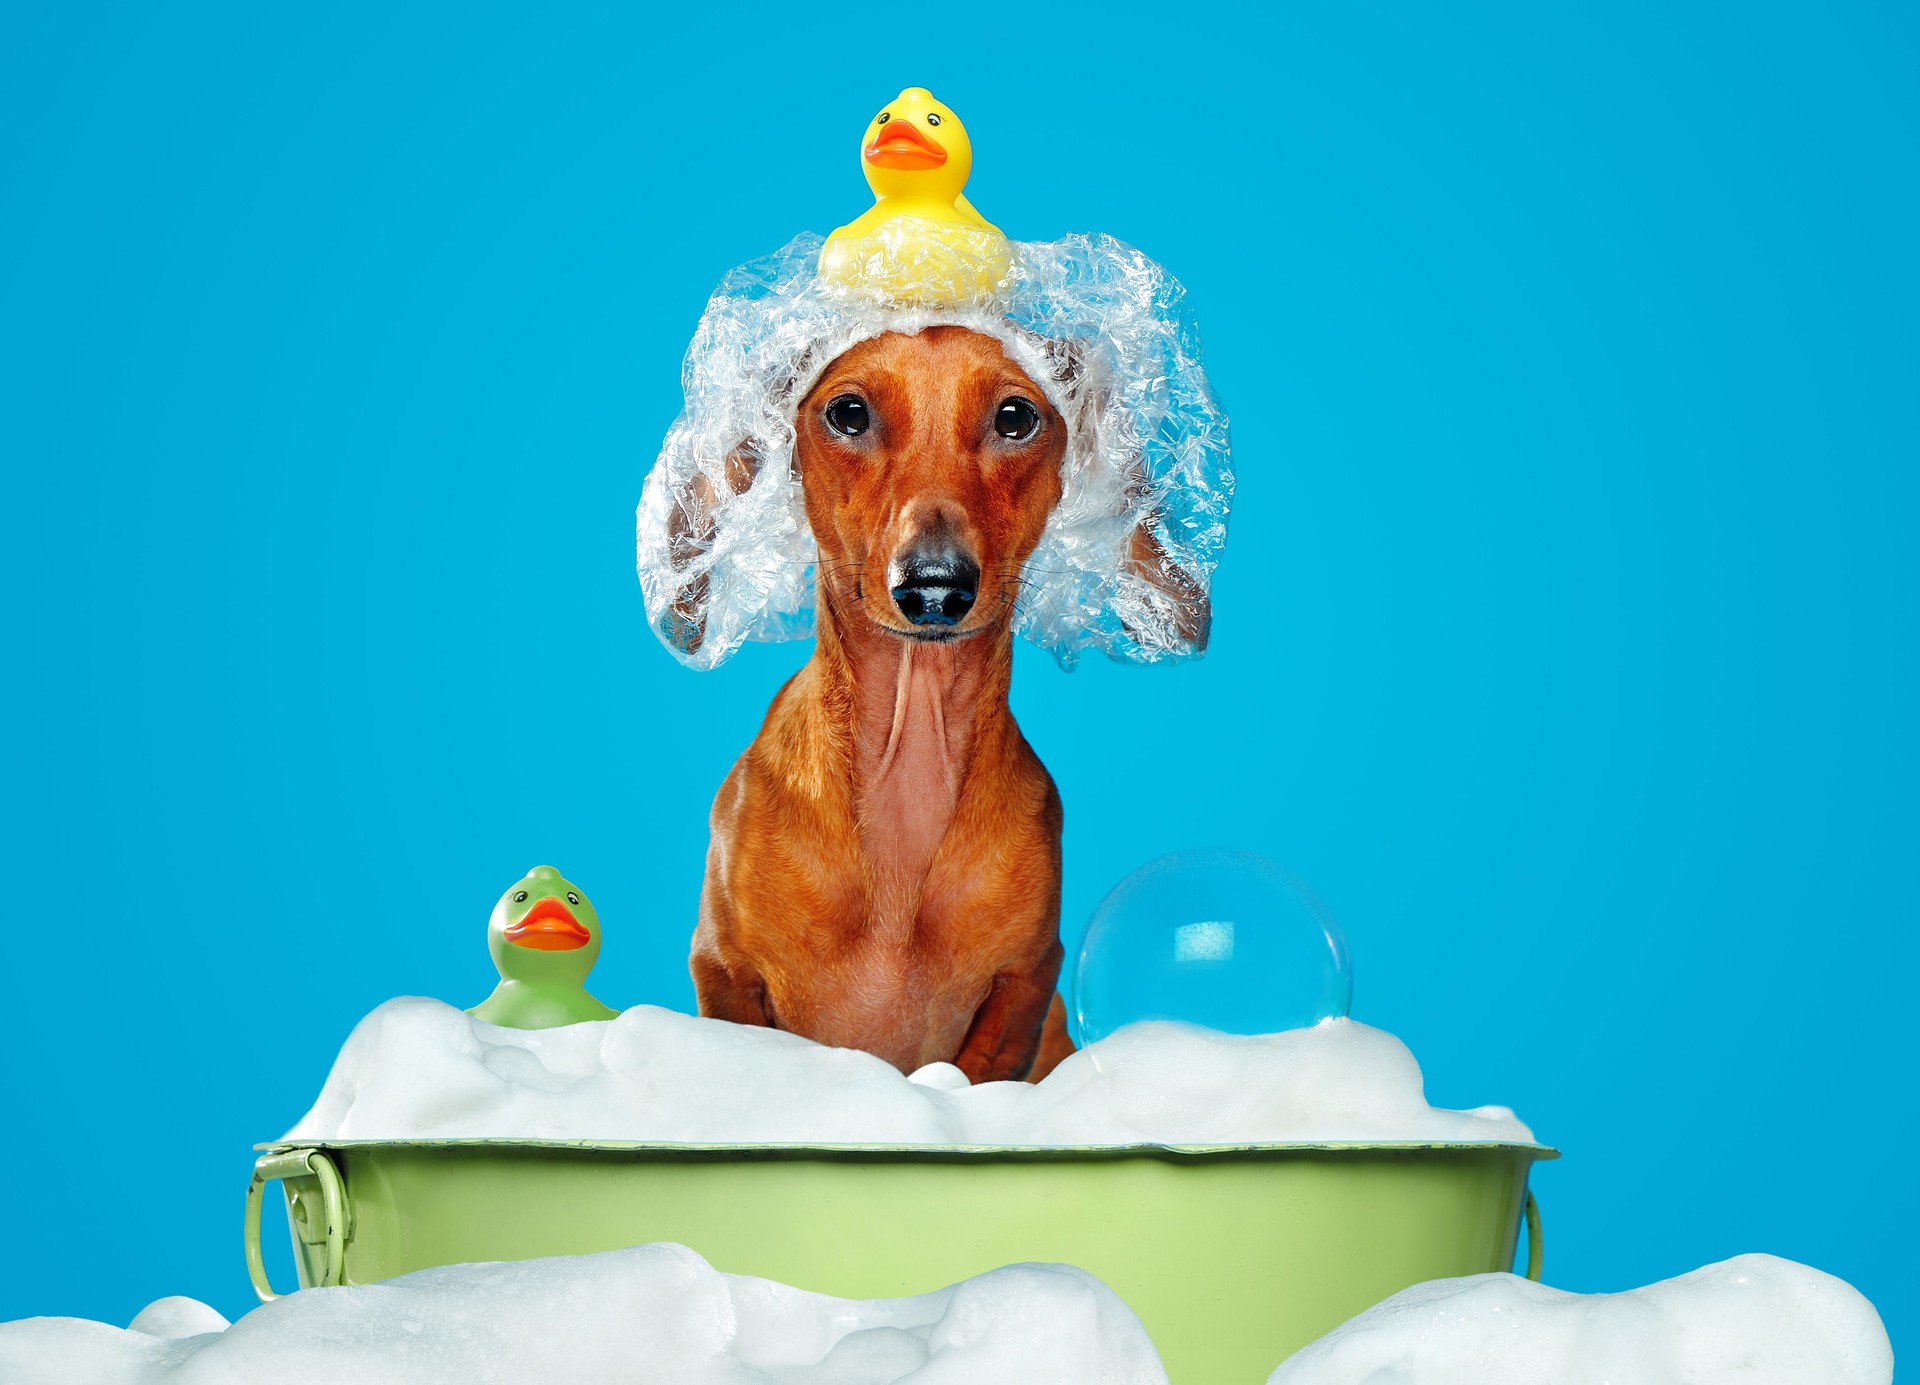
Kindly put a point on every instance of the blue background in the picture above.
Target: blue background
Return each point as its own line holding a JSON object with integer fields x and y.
{"x": 1565, "y": 643}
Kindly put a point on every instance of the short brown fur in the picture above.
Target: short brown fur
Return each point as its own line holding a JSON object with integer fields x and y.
{"x": 884, "y": 868}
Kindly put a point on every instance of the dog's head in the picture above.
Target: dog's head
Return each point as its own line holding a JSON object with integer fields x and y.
{"x": 929, "y": 464}
{"x": 741, "y": 536}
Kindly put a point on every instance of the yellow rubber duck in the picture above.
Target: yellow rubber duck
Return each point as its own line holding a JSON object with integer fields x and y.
{"x": 921, "y": 242}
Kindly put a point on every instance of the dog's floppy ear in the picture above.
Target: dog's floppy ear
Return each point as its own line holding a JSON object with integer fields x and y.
{"x": 1177, "y": 598}
{"x": 722, "y": 548}
{"x": 1169, "y": 604}
{"x": 692, "y": 521}
{"x": 693, "y": 518}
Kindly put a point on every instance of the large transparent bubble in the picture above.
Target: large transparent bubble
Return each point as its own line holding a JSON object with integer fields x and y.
{"x": 1224, "y": 939}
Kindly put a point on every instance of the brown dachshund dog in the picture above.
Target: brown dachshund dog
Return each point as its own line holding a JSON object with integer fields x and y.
{"x": 884, "y": 869}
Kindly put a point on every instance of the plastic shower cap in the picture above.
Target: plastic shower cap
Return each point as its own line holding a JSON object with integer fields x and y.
{"x": 725, "y": 553}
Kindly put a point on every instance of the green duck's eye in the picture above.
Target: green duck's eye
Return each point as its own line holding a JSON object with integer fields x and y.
{"x": 933, "y": 119}
{"x": 520, "y": 897}
{"x": 885, "y": 116}
{"x": 572, "y": 898}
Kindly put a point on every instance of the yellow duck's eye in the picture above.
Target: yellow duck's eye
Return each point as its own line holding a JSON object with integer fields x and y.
{"x": 848, "y": 416}
{"x": 572, "y": 898}
{"x": 933, "y": 119}
{"x": 520, "y": 897}
{"x": 885, "y": 116}
{"x": 1016, "y": 419}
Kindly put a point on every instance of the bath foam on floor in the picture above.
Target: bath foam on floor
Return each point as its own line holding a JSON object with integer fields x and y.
{"x": 419, "y": 1069}
{"x": 1751, "y": 1320}
{"x": 649, "y": 1315}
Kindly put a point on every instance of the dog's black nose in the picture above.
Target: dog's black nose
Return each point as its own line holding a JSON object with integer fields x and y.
{"x": 935, "y": 588}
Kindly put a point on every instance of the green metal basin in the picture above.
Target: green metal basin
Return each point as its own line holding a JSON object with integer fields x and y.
{"x": 1233, "y": 1256}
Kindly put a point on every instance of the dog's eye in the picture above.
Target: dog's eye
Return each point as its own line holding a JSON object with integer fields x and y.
{"x": 933, "y": 119}
{"x": 572, "y": 898}
{"x": 847, "y": 415}
{"x": 520, "y": 898}
{"x": 1017, "y": 419}
{"x": 885, "y": 116}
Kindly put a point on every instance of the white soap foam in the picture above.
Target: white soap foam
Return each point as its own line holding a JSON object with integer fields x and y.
{"x": 419, "y": 1069}
{"x": 649, "y": 1315}
{"x": 177, "y": 1317}
{"x": 1752, "y": 1320}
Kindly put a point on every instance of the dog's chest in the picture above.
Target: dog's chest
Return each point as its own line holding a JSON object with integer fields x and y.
{"x": 892, "y": 1001}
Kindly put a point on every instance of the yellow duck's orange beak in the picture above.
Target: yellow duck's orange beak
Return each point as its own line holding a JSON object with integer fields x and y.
{"x": 549, "y": 926}
{"x": 903, "y": 145}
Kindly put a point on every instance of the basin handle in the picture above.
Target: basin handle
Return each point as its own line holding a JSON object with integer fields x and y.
{"x": 297, "y": 1163}
{"x": 1535, "y": 1240}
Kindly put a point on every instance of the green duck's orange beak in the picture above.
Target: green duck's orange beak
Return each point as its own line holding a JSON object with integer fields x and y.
{"x": 549, "y": 926}
{"x": 903, "y": 145}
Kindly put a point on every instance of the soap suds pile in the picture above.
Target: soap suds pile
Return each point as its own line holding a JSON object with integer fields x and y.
{"x": 1752, "y": 1320}
{"x": 419, "y": 1069}
{"x": 651, "y": 1315}
{"x": 659, "y": 1315}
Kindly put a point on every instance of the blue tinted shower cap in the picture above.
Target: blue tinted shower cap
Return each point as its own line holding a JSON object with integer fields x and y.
{"x": 1095, "y": 323}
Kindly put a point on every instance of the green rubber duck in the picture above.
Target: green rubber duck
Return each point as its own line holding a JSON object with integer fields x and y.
{"x": 544, "y": 937}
